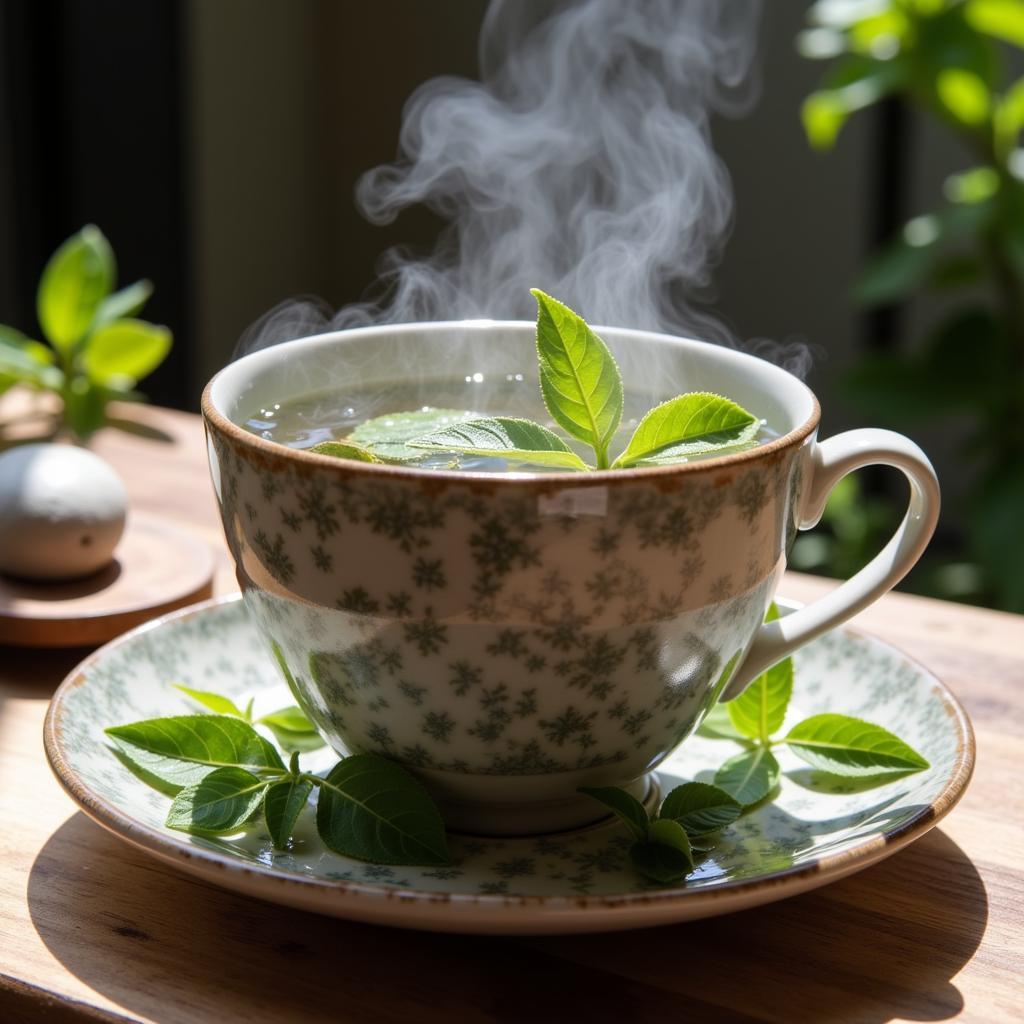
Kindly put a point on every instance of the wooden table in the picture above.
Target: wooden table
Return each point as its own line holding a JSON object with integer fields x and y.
{"x": 90, "y": 929}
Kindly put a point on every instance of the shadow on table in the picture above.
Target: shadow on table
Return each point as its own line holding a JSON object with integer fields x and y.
{"x": 174, "y": 949}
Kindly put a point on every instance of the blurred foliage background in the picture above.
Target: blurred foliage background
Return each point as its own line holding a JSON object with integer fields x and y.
{"x": 950, "y": 60}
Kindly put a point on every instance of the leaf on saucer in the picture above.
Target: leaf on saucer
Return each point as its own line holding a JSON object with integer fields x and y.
{"x": 717, "y": 725}
{"x": 282, "y": 805}
{"x": 216, "y": 702}
{"x": 666, "y": 854}
{"x": 221, "y": 802}
{"x": 749, "y": 777}
{"x": 695, "y": 424}
{"x": 503, "y": 437}
{"x": 387, "y": 436}
{"x": 849, "y": 746}
{"x": 181, "y": 750}
{"x": 759, "y": 711}
{"x": 700, "y": 808}
{"x": 292, "y": 729}
{"x": 625, "y": 807}
{"x": 372, "y": 809}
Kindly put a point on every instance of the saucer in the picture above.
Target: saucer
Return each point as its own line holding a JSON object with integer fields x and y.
{"x": 817, "y": 829}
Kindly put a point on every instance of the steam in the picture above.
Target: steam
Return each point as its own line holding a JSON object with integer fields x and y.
{"x": 581, "y": 163}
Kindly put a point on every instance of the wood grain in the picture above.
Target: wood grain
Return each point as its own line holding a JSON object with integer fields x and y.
{"x": 92, "y": 930}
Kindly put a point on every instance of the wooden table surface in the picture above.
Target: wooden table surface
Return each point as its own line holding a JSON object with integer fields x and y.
{"x": 91, "y": 929}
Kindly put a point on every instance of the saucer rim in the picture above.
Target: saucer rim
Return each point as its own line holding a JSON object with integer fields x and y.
{"x": 496, "y": 913}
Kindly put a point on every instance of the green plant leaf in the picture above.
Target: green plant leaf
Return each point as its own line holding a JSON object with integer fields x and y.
{"x": 625, "y": 807}
{"x": 292, "y": 730}
{"x": 386, "y": 435}
{"x": 700, "y": 808}
{"x": 503, "y": 438}
{"x": 906, "y": 263}
{"x": 183, "y": 749}
{"x": 761, "y": 708}
{"x": 216, "y": 702}
{"x": 372, "y": 809}
{"x": 749, "y": 777}
{"x": 79, "y": 275}
{"x": 223, "y": 801}
{"x": 27, "y": 361}
{"x": 344, "y": 450}
{"x": 964, "y": 95}
{"x": 126, "y": 302}
{"x": 579, "y": 379}
{"x": 1001, "y": 19}
{"x": 717, "y": 725}
{"x": 849, "y": 746}
{"x": 688, "y": 425}
{"x": 859, "y": 84}
{"x": 282, "y": 805}
{"x": 665, "y": 855}
{"x": 125, "y": 350}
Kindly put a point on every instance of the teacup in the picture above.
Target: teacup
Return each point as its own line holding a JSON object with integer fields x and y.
{"x": 513, "y": 637}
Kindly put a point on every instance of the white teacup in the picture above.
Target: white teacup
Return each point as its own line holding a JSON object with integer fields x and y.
{"x": 511, "y": 638}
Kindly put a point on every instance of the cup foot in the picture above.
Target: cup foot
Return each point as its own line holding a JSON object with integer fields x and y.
{"x": 536, "y": 817}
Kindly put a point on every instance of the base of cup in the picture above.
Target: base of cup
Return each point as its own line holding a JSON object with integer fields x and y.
{"x": 496, "y": 817}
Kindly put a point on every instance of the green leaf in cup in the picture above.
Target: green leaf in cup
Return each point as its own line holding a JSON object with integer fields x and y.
{"x": 688, "y": 425}
{"x": 749, "y": 777}
{"x": 216, "y": 702}
{"x": 344, "y": 450}
{"x": 371, "y": 809}
{"x": 387, "y": 436}
{"x": 699, "y": 808}
{"x": 503, "y": 437}
{"x": 579, "y": 378}
{"x": 292, "y": 729}
{"x": 761, "y": 708}
{"x": 849, "y": 746}
{"x": 223, "y": 801}
{"x": 79, "y": 275}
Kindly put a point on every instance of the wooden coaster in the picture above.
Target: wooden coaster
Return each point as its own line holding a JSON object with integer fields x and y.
{"x": 156, "y": 569}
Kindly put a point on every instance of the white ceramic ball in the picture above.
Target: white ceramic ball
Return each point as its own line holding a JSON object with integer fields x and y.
{"x": 62, "y": 512}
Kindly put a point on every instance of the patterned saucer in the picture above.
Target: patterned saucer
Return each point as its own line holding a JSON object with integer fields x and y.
{"x": 814, "y": 832}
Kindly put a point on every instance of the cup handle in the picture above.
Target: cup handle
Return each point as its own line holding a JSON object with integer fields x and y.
{"x": 831, "y": 460}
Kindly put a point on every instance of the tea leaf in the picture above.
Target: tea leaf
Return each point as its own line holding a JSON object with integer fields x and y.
{"x": 181, "y": 750}
{"x": 214, "y": 701}
{"x": 666, "y": 854}
{"x": 292, "y": 729}
{"x": 700, "y": 808}
{"x": 849, "y": 746}
{"x": 717, "y": 725}
{"x": 749, "y": 777}
{"x": 692, "y": 424}
{"x": 579, "y": 379}
{"x": 77, "y": 277}
{"x": 282, "y": 805}
{"x": 502, "y": 437}
{"x": 344, "y": 450}
{"x": 761, "y": 708}
{"x": 27, "y": 361}
{"x": 222, "y": 802}
{"x": 125, "y": 302}
{"x": 125, "y": 350}
{"x": 625, "y": 806}
{"x": 371, "y": 809}
{"x": 386, "y": 436}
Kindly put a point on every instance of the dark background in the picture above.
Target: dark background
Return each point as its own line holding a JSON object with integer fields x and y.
{"x": 217, "y": 145}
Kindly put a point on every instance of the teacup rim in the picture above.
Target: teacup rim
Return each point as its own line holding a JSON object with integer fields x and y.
{"x": 282, "y": 454}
